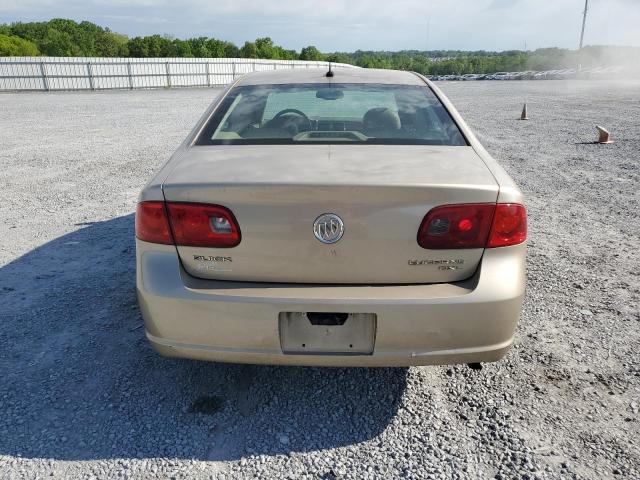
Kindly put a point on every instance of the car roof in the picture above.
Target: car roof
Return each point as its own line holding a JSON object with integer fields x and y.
{"x": 340, "y": 75}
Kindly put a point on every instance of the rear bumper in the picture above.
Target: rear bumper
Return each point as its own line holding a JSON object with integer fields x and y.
{"x": 471, "y": 321}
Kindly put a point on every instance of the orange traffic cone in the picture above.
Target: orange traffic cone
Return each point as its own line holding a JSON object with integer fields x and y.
{"x": 603, "y": 135}
{"x": 524, "y": 116}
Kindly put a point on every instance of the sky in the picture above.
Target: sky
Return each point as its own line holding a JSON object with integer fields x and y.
{"x": 349, "y": 25}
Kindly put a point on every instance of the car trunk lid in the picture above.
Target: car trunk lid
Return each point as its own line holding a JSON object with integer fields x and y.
{"x": 381, "y": 193}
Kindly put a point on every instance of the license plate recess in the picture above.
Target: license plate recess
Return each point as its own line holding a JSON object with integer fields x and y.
{"x": 327, "y": 333}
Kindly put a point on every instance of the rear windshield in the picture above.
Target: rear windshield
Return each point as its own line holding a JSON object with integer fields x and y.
{"x": 331, "y": 113}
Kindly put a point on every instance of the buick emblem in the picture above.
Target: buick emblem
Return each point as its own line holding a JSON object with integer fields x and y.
{"x": 328, "y": 228}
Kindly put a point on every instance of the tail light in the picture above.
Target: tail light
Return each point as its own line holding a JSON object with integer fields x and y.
{"x": 509, "y": 225}
{"x": 456, "y": 226}
{"x": 152, "y": 223}
{"x": 187, "y": 224}
{"x": 203, "y": 225}
{"x": 482, "y": 225}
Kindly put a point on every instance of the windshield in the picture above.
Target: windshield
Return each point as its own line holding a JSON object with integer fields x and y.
{"x": 331, "y": 113}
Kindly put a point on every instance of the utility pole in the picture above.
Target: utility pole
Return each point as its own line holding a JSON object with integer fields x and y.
{"x": 584, "y": 22}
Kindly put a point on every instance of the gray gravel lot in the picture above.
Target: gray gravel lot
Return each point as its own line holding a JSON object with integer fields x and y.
{"x": 82, "y": 395}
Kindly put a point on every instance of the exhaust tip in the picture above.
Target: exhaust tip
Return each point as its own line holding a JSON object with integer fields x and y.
{"x": 475, "y": 366}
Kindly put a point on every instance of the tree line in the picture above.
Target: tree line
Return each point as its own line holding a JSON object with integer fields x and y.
{"x": 67, "y": 38}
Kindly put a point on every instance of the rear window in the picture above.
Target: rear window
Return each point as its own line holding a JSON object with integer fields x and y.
{"x": 331, "y": 113}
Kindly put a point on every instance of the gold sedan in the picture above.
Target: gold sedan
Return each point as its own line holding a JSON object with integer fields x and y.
{"x": 343, "y": 219}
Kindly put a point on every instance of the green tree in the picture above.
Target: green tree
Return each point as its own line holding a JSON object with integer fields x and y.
{"x": 81, "y": 35}
{"x": 33, "y": 31}
{"x": 249, "y": 50}
{"x": 137, "y": 48}
{"x": 12, "y": 46}
{"x": 265, "y": 48}
{"x": 109, "y": 44}
{"x": 65, "y": 37}
{"x": 217, "y": 48}
{"x": 158, "y": 46}
{"x": 58, "y": 44}
{"x": 231, "y": 51}
{"x": 339, "y": 58}
{"x": 311, "y": 53}
{"x": 289, "y": 55}
{"x": 199, "y": 48}
{"x": 182, "y": 48}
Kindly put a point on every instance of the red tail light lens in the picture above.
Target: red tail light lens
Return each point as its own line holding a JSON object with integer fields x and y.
{"x": 509, "y": 225}
{"x": 456, "y": 226}
{"x": 203, "y": 225}
{"x": 152, "y": 224}
{"x": 473, "y": 226}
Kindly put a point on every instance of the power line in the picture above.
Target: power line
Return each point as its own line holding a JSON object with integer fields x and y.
{"x": 584, "y": 22}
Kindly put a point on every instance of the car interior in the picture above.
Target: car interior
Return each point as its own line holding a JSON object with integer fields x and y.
{"x": 325, "y": 116}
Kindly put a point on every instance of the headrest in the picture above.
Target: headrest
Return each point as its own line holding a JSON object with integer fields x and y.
{"x": 381, "y": 118}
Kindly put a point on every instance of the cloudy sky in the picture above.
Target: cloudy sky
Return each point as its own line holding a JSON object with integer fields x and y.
{"x": 348, "y": 25}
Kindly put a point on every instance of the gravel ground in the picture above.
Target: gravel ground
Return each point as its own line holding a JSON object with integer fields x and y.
{"x": 82, "y": 394}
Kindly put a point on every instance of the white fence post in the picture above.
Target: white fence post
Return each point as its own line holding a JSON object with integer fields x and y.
{"x": 130, "y": 76}
{"x": 45, "y": 81}
{"x": 168, "y": 75}
{"x": 90, "y": 74}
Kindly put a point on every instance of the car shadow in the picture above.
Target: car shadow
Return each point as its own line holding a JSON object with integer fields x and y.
{"x": 79, "y": 380}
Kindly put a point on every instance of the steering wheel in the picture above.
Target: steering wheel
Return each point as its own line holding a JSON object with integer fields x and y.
{"x": 290, "y": 110}
{"x": 292, "y": 125}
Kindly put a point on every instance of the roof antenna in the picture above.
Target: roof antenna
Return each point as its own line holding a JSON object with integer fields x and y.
{"x": 330, "y": 72}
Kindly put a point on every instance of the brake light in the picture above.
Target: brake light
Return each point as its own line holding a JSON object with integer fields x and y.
{"x": 509, "y": 225}
{"x": 481, "y": 225}
{"x": 456, "y": 226}
{"x": 203, "y": 225}
{"x": 152, "y": 224}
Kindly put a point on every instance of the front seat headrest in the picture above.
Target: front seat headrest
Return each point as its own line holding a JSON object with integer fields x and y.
{"x": 380, "y": 120}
